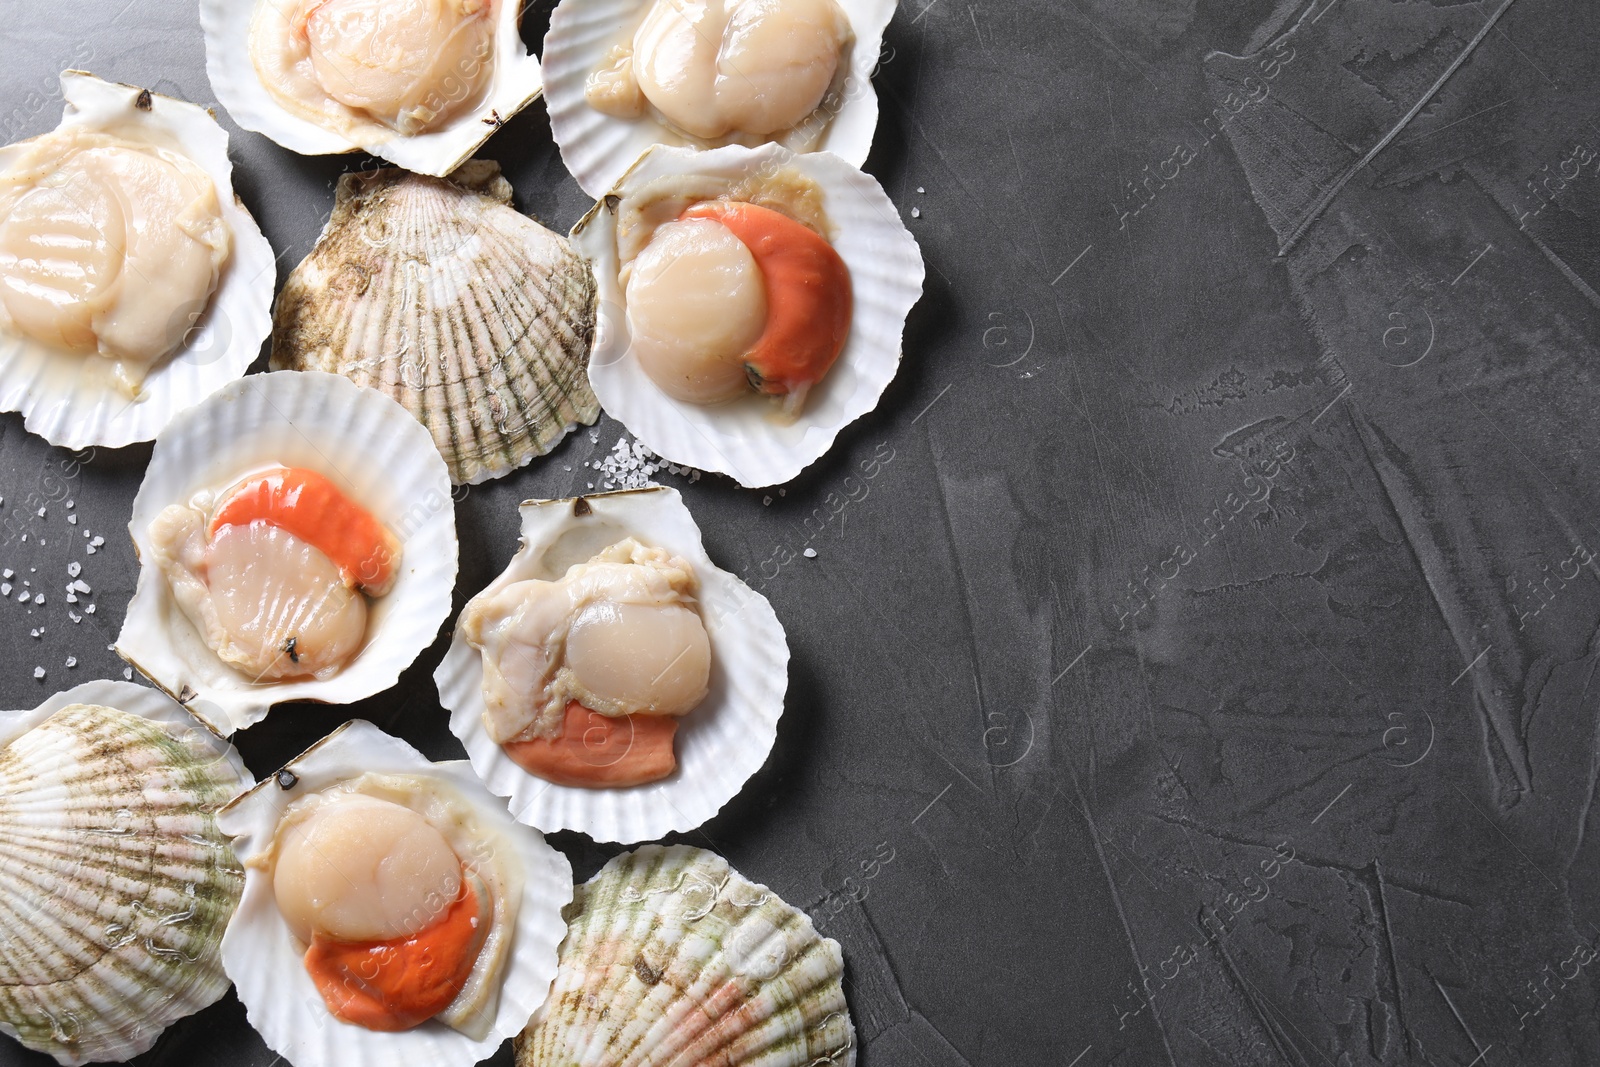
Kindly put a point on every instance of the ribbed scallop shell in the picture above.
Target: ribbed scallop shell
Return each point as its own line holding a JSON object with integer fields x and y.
{"x": 115, "y": 883}
{"x": 73, "y": 409}
{"x": 441, "y": 295}
{"x": 720, "y": 744}
{"x": 673, "y": 957}
{"x": 598, "y": 148}
{"x": 743, "y": 439}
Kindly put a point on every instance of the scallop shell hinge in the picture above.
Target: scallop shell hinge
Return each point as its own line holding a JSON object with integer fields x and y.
{"x": 671, "y": 957}
{"x": 440, "y": 294}
{"x": 115, "y": 884}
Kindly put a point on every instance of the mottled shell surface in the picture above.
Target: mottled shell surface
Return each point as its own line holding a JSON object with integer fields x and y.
{"x": 440, "y": 294}
{"x": 673, "y": 957}
{"x": 115, "y": 883}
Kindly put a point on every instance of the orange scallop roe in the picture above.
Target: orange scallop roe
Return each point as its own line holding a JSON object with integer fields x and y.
{"x": 595, "y": 750}
{"x": 809, "y": 300}
{"x": 399, "y": 984}
{"x": 312, "y": 508}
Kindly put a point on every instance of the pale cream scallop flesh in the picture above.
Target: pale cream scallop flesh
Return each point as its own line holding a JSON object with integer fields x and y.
{"x": 739, "y": 70}
{"x": 621, "y": 634}
{"x": 108, "y": 247}
{"x": 406, "y": 65}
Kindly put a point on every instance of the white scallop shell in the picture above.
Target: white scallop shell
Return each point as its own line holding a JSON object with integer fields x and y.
{"x": 598, "y": 148}
{"x": 719, "y": 745}
{"x": 259, "y": 952}
{"x": 68, "y": 408}
{"x": 115, "y": 883}
{"x": 674, "y": 957}
{"x": 745, "y": 439}
{"x": 440, "y": 294}
{"x": 516, "y": 81}
{"x": 381, "y": 456}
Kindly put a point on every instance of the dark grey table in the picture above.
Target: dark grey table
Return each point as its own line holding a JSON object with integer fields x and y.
{"x": 1206, "y": 672}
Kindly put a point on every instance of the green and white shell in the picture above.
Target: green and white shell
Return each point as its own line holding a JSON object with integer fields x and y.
{"x": 115, "y": 884}
{"x": 673, "y": 957}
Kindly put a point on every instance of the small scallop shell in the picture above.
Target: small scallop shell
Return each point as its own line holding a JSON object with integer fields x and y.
{"x": 259, "y": 952}
{"x": 719, "y": 745}
{"x": 746, "y": 439}
{"x": 367, "y": 444}
{"x": 75, "y": 410}
{"x": 441, "y": 295}
{"x": 673, "y": 957}
{"x": 516, "y": 82}
{"x": 115, "y": 883}
{"x": 598, "y": 148}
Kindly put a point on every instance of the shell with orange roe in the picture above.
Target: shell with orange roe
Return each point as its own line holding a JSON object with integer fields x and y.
{"x": 808, "y": 296}
{"x": 308, "y": 505}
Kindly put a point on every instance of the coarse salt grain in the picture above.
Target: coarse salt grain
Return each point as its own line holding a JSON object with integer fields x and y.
{"x": 72, "y": 661}
{"x": 38, "y": 672}
{"x": 810, "y": 553}
{"x": 73, "y": 569}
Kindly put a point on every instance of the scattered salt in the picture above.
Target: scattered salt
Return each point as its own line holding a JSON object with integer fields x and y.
{"x": 38, "y": 598}
{"x": 127, "y": 674}
{"x": 5, "y": 588}
{"x": 73, "y": 569}
{"x": 766, "y": 501}
{"x": 38, "y": 672}
{"x": 69, "y": 505}
{"x": 72, "y": 661}
{"x": 81, "y": 586}
{"x": 8, "y": 573}
{"x": 73, "y": 519}
{"x": 89, "y": 610}
{"x": 41, "y": 513}
{"x": 810, "y": 553}
{"x": 916, "y": 212}
{"x": 23, "y": 597}
{"x": 920, "y": 189}
{"x": 74, "y": 616}
{"x": 72, "y": 598}
{"x": 34, "y": 634}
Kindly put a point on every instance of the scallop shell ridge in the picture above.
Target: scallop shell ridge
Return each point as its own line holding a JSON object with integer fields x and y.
{"x": 108, "y": 817}
{"x": 438, "y": 293}
{"x": 671, "y": 956}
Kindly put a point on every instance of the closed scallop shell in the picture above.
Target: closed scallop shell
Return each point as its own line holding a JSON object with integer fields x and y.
{"x": 115, "y": 883}
{"x": 74, "y": 409}
{"x": 598, "y": 148}
{"x": 673, "y": 957}
{"x": 441, "y": 295}
{"x": 366, "y": 444}
{"x": 516, "y": 82}
{"x": 746, "y": 439}
{"x": 259, "y": 952}
{"x": 719, "y": 744}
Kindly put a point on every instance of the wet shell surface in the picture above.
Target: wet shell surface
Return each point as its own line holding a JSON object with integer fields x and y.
{"x": 441, "y": 295}
{"x": 266, "y": 966}
{"x": 516, "y": 82}
{"x": 673, "y": 957}
{"x": 719, "y": 744}
{"x": 375, "y": 452}
{"x": 746, "y": 439}
{"x": 598, "y": 148}
{"x": 115, "y": 883}
{"x": 68, "y": 407}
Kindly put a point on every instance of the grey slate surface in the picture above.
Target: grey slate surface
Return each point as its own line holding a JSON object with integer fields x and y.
{"x": 1213, "y": 658}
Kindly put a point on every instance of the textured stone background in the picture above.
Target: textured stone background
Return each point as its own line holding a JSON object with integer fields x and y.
{"x": 1205, "y": 676}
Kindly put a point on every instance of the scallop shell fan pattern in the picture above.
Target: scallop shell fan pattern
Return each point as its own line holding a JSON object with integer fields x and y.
{"x": 673, "y": 957}
{"x": 440, "y": 294}
{"x": 115, "y": 884}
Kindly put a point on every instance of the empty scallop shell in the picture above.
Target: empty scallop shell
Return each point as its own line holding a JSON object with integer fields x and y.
{"x": 598, "y": 149}
{"x": 75, "y": 410}
{"x": 375, "y": 452}
{"x": 516, "y": 83}
{"x": 260, "y": 954}
{"x": 719, "y": 745}
{"x": 115, "y": 883}
{"x": 744, "y": 439}
{"x": 673, "y": 957}
{"x": 438, "y": 293}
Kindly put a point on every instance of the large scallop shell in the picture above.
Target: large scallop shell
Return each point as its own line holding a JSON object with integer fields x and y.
{"x": 375, "y": 452}
{"x": 673, "y": 957}
{"x": 516, "y": 82}
{"x": 438, "y": 293}
{"x": 75, "y": 410}
{"x": 719, "y": 745}
{"x": 598, "y": 148}
{"x": 115, "y": 883}
{"x": 259, "y": 951}
{"x": 745, "y": 439}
